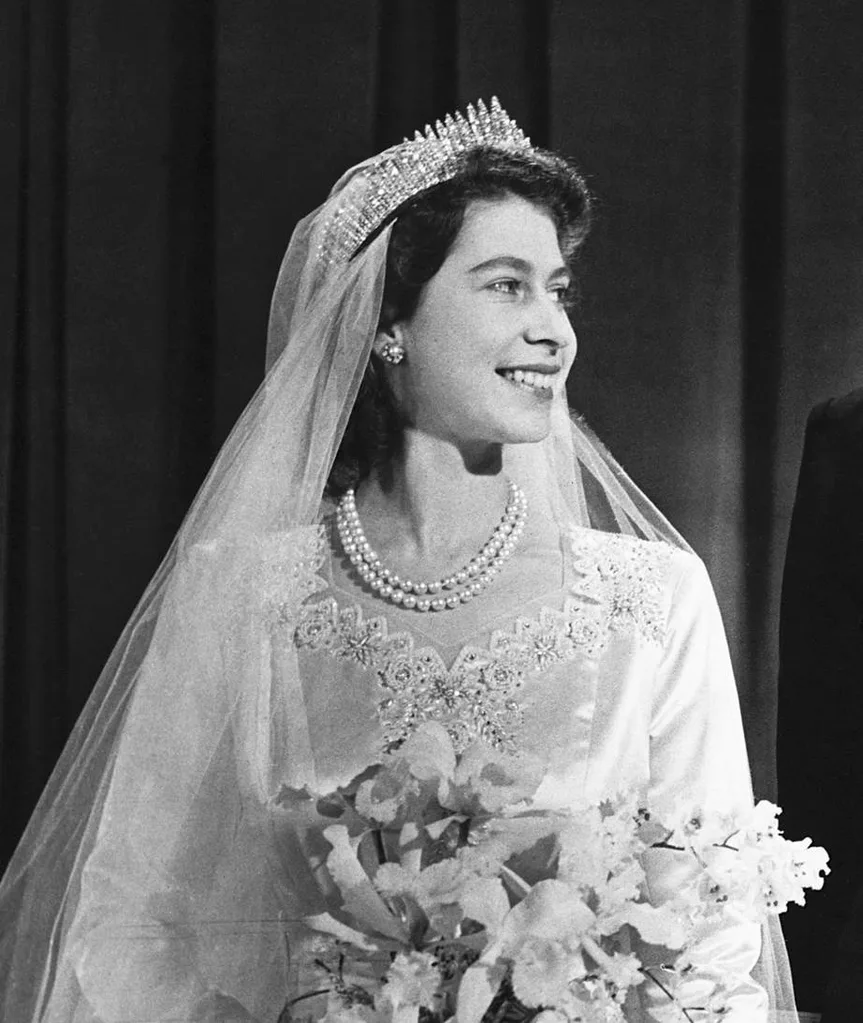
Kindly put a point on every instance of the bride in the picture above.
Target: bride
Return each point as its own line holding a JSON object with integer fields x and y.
{"x": 405, "y": 526}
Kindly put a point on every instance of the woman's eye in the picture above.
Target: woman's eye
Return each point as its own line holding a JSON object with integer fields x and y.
{"x": 563, "y": 293}
{"x": 507, "y": 287}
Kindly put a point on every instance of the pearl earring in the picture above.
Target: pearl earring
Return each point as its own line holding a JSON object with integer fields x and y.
{"x": 393, "y": 353}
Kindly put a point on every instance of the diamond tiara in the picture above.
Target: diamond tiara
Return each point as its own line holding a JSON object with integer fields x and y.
{"x": 411, "y": 167}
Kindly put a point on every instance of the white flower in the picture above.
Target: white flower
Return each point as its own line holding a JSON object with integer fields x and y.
{"x": 591, "y": 1002}
{"x": 448, "y": 892}
{"x": 412, "y": 980}
{"x": 810, "y": 863}
{"x": 786, "y": 869}
{"x": 599, "y": 847}
{"x": 621, "y": 888}
{"x": 340, "y": 1012}
{"x": 393, "y": 795}
{"x": 624, "y": 971}
{"x": 543, "y": 971}
{"x": 584, "y": 860}
{"x": 440, "y": 883}
{"x": 496, "y": 840}
{"x": 762, "y": 821}
{"x": 754, "y": 869}
{"x": 657, "y": 925}
{"x": 551, "y": 910}
{"x": 429, "y": 752}
{"x": 485, "y": 900}
{"x": 487, "y": 780}
{"x": 730, "y": 877}
{"x": 697, "y": 830}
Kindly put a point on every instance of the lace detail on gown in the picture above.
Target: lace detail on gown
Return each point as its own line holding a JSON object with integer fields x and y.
{"x": 618, "y": 588}
{"x": 270, "y": 575}
{"x": 287, "y": 572}
{"x": 623, "y": 576}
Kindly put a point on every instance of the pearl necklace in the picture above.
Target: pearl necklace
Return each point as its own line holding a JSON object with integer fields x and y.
{"x": 460, "y": 587}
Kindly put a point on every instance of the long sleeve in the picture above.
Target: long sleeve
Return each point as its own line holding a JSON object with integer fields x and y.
{"x": 177, "y": 914}
{"x": 698, "y": 759}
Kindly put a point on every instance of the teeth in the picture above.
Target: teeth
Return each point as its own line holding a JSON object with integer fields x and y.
{"x": 529, "y": 378}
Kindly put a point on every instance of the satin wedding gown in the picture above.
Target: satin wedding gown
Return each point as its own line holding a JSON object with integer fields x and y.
{"x": 602, "y": 653}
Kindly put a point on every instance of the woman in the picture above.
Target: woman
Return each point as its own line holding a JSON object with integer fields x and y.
{"x": 402, "y": 527}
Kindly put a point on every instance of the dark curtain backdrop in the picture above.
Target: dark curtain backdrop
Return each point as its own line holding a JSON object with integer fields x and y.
{"x": 155, "y": 156}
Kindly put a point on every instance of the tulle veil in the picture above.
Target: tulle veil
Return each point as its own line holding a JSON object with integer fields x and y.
{"x": 149, "y": 857}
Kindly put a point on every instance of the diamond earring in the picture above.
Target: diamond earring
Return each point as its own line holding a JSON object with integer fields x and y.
{"x": 393, "y": 353}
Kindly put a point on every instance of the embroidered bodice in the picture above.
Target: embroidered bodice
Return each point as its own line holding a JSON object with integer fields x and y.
{"x": 618, "y": 587}
{"x": 586, "y": 673}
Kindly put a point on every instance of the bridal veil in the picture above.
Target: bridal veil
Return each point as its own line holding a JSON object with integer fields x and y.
{"x": 174, "y": 756}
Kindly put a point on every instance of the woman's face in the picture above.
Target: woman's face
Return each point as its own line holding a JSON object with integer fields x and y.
{"x": 489, "y": 344}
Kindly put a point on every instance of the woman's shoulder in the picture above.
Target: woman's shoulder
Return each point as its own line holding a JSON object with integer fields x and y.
{"x": 636, "y": 581}
{"x": 268, "y": 571}
{"x": 654, "y": 563}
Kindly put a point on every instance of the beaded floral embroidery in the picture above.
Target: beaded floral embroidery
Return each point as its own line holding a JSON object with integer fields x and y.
{"x": 288, "y": 572}
{"x": 623, "y": 576}
{"x": 619, "y": 588}
{"x": 272, "y": 574}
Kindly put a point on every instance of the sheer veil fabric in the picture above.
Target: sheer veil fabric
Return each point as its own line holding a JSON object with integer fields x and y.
{"x": 149, "y": 884}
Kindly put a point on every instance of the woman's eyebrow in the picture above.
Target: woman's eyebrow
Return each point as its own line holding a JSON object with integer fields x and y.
{"x": 515, "y": 263}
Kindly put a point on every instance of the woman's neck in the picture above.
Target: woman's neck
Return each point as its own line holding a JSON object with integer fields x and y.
{"x": 435, "y": 502}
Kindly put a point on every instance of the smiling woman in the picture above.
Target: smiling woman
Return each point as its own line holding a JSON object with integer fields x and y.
{"x": 406, "y": 530}
{"x": 428, "y": 227}
{"x": 486, "y": 349}
{"x": 493, "y": 309}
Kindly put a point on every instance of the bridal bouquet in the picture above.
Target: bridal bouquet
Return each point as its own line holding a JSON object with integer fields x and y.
{"x": 457, "y": 898}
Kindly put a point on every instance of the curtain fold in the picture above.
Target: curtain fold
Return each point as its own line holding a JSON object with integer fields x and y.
{"x": 33, "y": 414}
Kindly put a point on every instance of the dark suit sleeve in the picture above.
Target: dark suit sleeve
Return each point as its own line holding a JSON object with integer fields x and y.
{"x": 820, "y": 725}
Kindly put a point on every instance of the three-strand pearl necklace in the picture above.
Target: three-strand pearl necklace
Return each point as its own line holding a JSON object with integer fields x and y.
{"x": 455, "y": 589}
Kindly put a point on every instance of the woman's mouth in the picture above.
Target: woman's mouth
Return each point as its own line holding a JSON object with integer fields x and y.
{"x": 530, "y": 380}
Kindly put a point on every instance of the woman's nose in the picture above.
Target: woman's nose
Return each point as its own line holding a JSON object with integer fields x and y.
{"x": 548, "y": 324}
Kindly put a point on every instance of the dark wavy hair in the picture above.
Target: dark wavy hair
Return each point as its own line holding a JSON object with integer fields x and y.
{"x": 424, "y": 231}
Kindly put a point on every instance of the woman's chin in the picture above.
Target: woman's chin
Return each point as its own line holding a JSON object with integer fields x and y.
{"x": 523, "y": 431}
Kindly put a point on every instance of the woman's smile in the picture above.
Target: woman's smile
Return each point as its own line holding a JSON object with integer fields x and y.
{"x": 540, "y": 381}
{"x": 497, "y": 304}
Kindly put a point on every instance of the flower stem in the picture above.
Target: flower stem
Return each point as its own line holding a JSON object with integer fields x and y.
{"x": 309, "y": 994}
{"x": 602, "y": 958}
{"x": 522, "y": 887}
{"x": 649, "y": 974}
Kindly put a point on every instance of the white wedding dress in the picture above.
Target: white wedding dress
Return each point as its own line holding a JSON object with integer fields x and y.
{"x": 601, "y": 653}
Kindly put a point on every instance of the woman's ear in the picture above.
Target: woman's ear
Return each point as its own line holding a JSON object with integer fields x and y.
{"x": 392, "y": 333}
{"x": 389, "y": 344}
